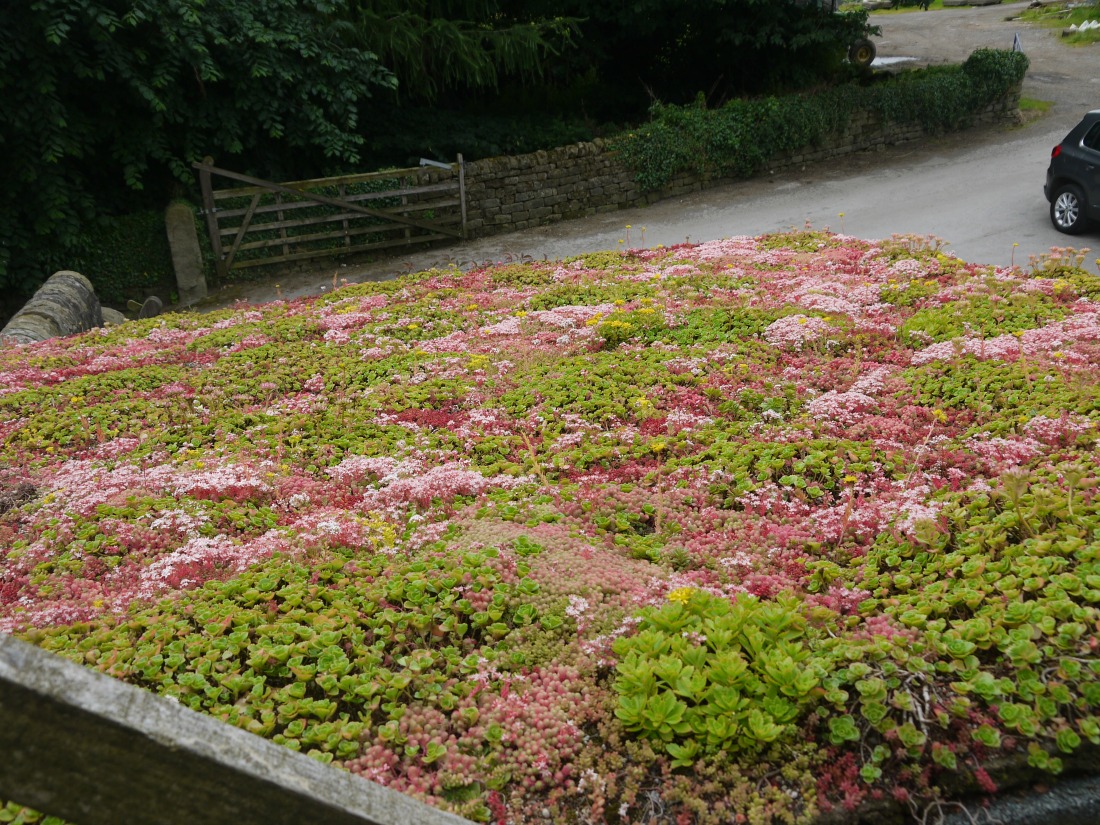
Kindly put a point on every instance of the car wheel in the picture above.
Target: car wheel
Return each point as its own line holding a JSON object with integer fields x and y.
{"x": 1067, "y": 210}
{"x": 862, "y": 53}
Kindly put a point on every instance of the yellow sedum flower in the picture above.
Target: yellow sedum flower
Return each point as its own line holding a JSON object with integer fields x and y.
{"x": 681, "y": 595}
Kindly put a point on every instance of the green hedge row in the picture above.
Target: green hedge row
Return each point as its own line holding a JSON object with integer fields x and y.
{"x": 737, "y": 139}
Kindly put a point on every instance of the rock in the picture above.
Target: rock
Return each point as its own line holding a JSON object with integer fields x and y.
{"x": 65, "y": 305}
{"x": 112, "y": 317}
{"x": 152, "y": 307}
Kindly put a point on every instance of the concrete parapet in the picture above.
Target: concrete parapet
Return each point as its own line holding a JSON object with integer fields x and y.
{"x": 93, "y": 750}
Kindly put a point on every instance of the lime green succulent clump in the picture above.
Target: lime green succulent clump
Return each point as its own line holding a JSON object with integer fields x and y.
{"x": 703, "y": 675}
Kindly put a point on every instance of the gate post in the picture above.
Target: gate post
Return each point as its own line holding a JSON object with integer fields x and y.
{"x": 462, "y": 191}
{"x": 210, "y": 210}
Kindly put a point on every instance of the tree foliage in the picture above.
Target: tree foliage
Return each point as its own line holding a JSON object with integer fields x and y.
{"x": 437, "y": 46}
{"x": 106, "y": 98}
{"x": 671, "y": 50}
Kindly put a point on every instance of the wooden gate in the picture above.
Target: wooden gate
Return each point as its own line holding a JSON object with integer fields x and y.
{"x": 269, "y": 223}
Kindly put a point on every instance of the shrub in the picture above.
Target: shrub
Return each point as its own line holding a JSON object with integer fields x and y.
{"x": 737, "y": 139}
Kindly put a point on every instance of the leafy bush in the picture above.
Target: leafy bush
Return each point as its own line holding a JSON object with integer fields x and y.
{"x": 740, "y": 137}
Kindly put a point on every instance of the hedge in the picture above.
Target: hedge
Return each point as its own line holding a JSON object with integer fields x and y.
{"x": 737, "y": 139}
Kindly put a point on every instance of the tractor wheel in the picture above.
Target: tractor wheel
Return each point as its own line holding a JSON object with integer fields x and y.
{"x": 861, "y": 53}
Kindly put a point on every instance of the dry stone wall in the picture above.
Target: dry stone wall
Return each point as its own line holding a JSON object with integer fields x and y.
{"x": 505, "y": 194}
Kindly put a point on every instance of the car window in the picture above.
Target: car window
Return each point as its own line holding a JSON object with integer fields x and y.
{"x": 1091, "y": 139}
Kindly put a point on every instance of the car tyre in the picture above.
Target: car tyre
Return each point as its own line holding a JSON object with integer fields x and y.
{"x": 1067, "y": 210}
{"x": 862, "y": 53}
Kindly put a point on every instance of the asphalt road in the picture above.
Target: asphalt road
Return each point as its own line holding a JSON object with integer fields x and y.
{"x": 979, "y": 192}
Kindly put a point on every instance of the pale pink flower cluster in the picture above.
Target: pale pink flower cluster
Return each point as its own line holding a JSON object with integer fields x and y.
{"x": 337, "y": 336}
{"x": 332, "y": 321}
{"x": 794, "y": 331}
{"x": 508, "y": 326}
{"x": 483, "y": 421}
{"x": 303, "y": 403}
{"x": 454, "y": 342}
{"x": 911, "y": 268}
{"x": 680, "y": 270}
{"x": 1004, "y": 452}
{"x": 358, "y": 467}
{"x": 679, "y": 420}
{"x": 572, "y": 316}
{"x": 228, "y": 481}
{"x": 832, "y": 304}
{"x": 180, "y": 337}
{"x": 252, "y": 341}
{"x": 337, "y": 527}
{"x": 578, "y": 606}
{"x": 873, "y": 381}
{"x": 1059, "y": 431}
{"x": 911, "y": 508}
{"x": 178, "y": 521}
{"x": 841, "y": 409}
{"x": 1053, "y": 340}
{"x": 425, "y": 534}
{"x": 443, "y": 482}
{"x": 192, "y": 564}
{"x": 683, "y": 366}
{"x": 739, "y": 246}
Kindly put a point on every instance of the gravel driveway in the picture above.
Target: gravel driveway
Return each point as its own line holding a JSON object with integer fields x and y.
{"x": 980, "y": 191}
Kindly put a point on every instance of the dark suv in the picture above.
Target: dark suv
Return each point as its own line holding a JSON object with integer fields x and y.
{"x": 1073, "y": 177}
